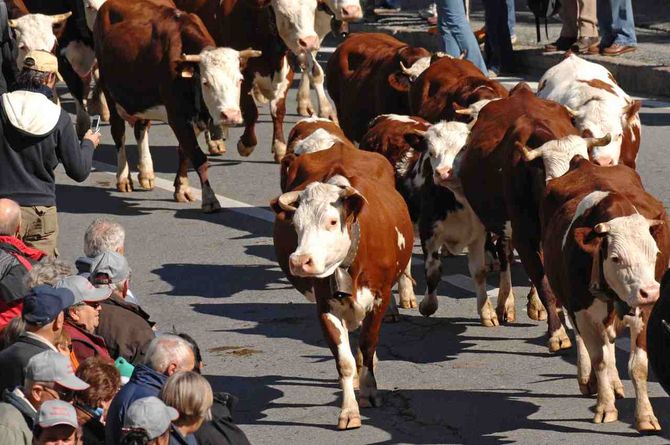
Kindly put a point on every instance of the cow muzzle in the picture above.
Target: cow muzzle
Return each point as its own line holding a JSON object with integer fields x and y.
{"x": 442, "y": 175}
{"x": 649, "y": 293}
{"x": 309, "y": 43}
{"x": 303, "y": 266}
{"x": 351, "y": 12}
{"x": 231, "y": 117}
{"x": 604, "y": 161}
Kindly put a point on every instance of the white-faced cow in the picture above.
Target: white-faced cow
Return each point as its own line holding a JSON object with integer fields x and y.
{"x": 343, "y": 237}
{"x": 599, "y": 107}
{"x": 606, "y": 244}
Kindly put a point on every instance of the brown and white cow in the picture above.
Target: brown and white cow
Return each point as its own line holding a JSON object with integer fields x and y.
{"x": 505, "y": 191}
{"x": 370, "y": 74}
{"x": 160, "y": 63}
{"x": 343, "y": 237}
{"x": 599, "y": 106}
{"x": 606, "y": 244}
{"x": 449, "y": 85}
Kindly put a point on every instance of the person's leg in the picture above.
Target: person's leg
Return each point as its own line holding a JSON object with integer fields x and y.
{"x": 605, "y": 22}
{"x": 623, "y": 23}
{"x": 511, "y": 17}
{"x": 498, "y": 43}
{"x": 568, "y": 14}
{"x": 452, "y": 21}
{"x": 39, "y": 228}
{"x": 587, "y": 19}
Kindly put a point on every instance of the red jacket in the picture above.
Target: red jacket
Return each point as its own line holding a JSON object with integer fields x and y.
{"x": 16, "y": 259}
{"x": 85, "y": 344}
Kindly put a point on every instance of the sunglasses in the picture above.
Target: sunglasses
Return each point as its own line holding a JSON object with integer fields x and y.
{"x": 60, "y": 393}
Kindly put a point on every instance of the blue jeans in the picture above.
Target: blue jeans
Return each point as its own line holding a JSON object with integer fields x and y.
{"x": 498, "y": 47}
{"x": 456, "y": 32}
{"x": 615, "y": 19}
{"x": 511, "y": 17}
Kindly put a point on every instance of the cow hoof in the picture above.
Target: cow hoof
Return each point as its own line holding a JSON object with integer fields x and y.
{"x": 243, "y": 150}
{"x": 535, "y": 308}
{"x": 125, "y": 186}
{"x": 305, "y": 109}
{"x": 184, "y": 195}
{"x": 591, "y": 387}
{"x": 648, "y": 424}
{"x": 605, "y": 415}
{"x": 216, "y": 147}
{"x": 370, "y": 402}
{"x": 146, "y": 180}
{"x": 559, "y": 341}
{"x": 506, "y": 315}
{"x": 428, "y": 306}
{"x": 279, "y": 150}
{"x": 211, "y": 207}
{"x": 408, "y": 302}
{"x": 488, "y": 316}
{"x": 349, "y": 420}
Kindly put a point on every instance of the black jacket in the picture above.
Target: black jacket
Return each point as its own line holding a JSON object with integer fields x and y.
{"x": 126, "y": 329}
{"x": 221, "y": 430}
{"x": 35, "y": 135}
{"x": 14, "y": 359}
{"x": 8, "y": 52}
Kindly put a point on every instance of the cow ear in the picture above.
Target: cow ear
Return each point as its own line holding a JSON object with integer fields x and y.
{"x": 399, "y": 81}
{"x": 353, "y": 202}
{"x": 631, "y": 110}
{"x": 588, "y": 239}
{"x": 417, "y": 140}
{"x": 656, "y": 226}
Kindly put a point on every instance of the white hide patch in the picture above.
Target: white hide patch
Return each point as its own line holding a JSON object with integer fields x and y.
{"x": 33, "y": 32}
{"x": 476, "y": 108}
{"x": 418, "y": 67}
{"x": 92, "y": 8}
{"x": 295, "y": 22}
{"x": 317, "y": 141}
{"x": 557, "y": 154}
{"x": 313, "y": 119}
{"x": 80, "y": 56}
{"x": 587, "y": 202}
{"x": 401, "y": 239}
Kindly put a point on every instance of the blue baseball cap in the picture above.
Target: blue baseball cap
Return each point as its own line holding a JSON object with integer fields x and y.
{"x": 43, "y": 304}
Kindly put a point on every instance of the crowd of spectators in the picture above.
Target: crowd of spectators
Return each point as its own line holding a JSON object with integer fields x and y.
{"x": 82, "y": 363}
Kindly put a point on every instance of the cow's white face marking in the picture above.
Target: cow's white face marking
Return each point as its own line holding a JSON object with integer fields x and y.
{"x": 346, "y": 10}
{"x": 319, "y": 140}
{"x": 401, "y": 239}
{"x": 322, "y": 234}
{"x": 33, "y": 32}
{"x": 396, "y": 117}
{"x": 80, "y": 56}
{"x": 314, "y": 118}
{"x": 589, "y": 201}
{"x": 295, "y": 24}
{"x": 557, "y": 154}
{"x": 601, "y": 117}
{"x": 417, "y": 68}
{"x": 476, "y": 108}
{"x": 445, "y": 140}
{"x": 92, "y": 8}
{"x": 630, "y": 264}
{"x": 221, "y": 79}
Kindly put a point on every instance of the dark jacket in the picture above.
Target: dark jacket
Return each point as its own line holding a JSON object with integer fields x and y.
{"x": 16, "y": 419}
{"x": 93, "y": 430}
{"x": 8, "y": 51}
{"x": 16, "y": 259}
{"x": 126, "y": 329}
{"x": 177, "y": 439}
{"x": 144, "y": 382}
{"x": 14, "y": 359}
{"x": 85, "y": 344}
{"x": 35, "y": 135}
{"x": 221, "y": 430}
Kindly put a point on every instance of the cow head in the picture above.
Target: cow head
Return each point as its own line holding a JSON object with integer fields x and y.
{"x": 220, "y": 80}
{"x": 557, "y": 154}
{"x": 295, "y": 24}
{"x": 345, "y": 10}
{"x": 36, "y": 32}
{"x": 322, "y": 214}
{"x": 444, "y": 142}
{"x": 626, "y": 251}
{"x": 92, "y": 7}
{"x": 472, "y": 111}
{"x": 411, "y": 63}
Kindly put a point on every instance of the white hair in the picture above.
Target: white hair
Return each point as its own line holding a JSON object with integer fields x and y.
{"x": 166, "y": 349}
{"x": 103, "y": 234}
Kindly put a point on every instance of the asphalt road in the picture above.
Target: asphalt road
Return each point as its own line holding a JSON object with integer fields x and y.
{"x": 444, "y": 379}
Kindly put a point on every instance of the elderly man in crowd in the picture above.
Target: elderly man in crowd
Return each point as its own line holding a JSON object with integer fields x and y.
{"x": 16, "y": 259}
{"x": 166, "y": 355}
{"x": 37, "y": 134}
{"x": 83, "y": 317}
{"x": 43, "y": 314}
{"x": 56, "y": 424}
{"x": 148, "y": 421}
{"x": 124, "y": 326}
{"x": 49, "y": 271}
{"x": 49, "y": 376}
{"x": 102, "y": 235}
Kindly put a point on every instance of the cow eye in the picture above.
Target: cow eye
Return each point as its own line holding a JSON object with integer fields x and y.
{"x": 616, "y": 259}
{"x": 332, "y": 223}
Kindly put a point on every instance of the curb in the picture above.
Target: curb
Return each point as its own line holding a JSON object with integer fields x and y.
{"x": 633, "y": 77}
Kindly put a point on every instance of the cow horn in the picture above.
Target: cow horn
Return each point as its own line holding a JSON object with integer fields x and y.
{"x": 599, "y": 142}
{"x": 59, "y": 18}
{"x": 464, "y": 111}
{"x": 601, "y": 228}
{"x": 191, "y": 58}
{"x": 13, "y": 23}
{"x": 655, "y": 222}
{"x": 287, "y": 200}
{"x": 571, "y": 111}
{"x": 405, "y": 69}
{"x": 250, "y": 53}
{"x": 530, "y": 154}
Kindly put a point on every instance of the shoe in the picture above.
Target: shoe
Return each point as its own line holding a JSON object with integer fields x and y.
{"x": 583, "y": 44}
{"x": 428, "y": 12}
{"x": 513, "y": 39}
{"x": 594, "y": 49}
{"x": 480, "y": 35}
{"x": 616, "y": 49}
{"x": 562, "y": 44}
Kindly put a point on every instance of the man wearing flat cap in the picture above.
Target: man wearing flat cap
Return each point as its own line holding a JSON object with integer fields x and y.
{"x": 43, "y": 313}
{"x": 37, "y": 134}
{"x": 49, "y": 377}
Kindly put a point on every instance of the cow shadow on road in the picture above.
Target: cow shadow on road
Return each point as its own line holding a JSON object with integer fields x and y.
{"x": 103, "y": 195}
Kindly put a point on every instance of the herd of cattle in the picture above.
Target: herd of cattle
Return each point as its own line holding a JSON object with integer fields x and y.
{"x": 440, "y": 147}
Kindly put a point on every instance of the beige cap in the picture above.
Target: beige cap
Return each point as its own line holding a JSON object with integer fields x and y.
{"x": 41, "y": 61}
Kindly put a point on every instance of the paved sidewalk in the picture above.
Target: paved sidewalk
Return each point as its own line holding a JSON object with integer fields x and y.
{"x": 645, "y": 71}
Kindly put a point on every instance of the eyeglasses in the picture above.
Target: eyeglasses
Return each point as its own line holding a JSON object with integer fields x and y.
{"x": 61, "y": 394}
{"x": 93, "y": 304}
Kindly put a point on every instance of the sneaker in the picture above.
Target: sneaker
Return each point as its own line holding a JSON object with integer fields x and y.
{"x": 616, "y": 49}
{"x": 583, "y": 44}
{"x": 513, "y": 39}
{"x": 562, "y": 44}
{"x": 428, "y": 12}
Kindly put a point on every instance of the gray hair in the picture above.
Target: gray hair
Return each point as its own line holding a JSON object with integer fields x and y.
{"x": 166, "y": 349}
{"x": 49, "y": 271}
{"x": 103, "y": 234}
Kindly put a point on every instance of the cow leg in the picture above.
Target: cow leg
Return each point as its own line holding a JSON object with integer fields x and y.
{"x": 337, "y": 338}
{"x": 392, "y": 313}
{"x": 478, "y": 271}
{"x": 505, "y": 308}
{"x": 305, "y": 107}
{"x": 215, "y": 139}
{"x": 248, "y": 141}
{"x": 367, "y": 341}
{"x": 189, "y": 144}
{"x": 146, "y": 176}
{"x": 406, "y": 288}
{"x": 124, "y": 182}
{"x": 98, "y": 103}
{"x": 182, "y": 189}
{"x": 280, "y": 84}
{"x": 638, "y": 365}
{"x": 586, "y": 378}
{"x": 596, "y": 339}
{"x": 534, "y": 308}
{"x": 433, "y": 269}
{"x": 325, "y": 108}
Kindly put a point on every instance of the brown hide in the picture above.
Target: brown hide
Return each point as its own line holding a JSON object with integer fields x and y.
{"x": 450, "y": 84}
{"x": 364, "y": 79}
